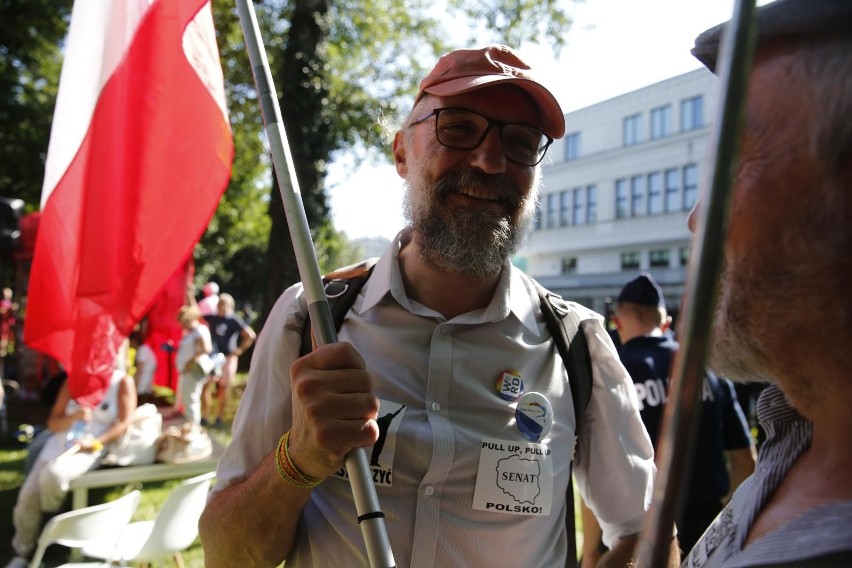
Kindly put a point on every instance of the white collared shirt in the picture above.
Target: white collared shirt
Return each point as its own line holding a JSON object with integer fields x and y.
{"x": 437, "y": 380}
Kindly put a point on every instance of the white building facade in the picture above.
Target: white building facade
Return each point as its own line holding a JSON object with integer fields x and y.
{"x": 617, "y": 191}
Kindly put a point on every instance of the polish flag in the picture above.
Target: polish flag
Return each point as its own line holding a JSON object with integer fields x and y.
{"x": 140, "y": 153}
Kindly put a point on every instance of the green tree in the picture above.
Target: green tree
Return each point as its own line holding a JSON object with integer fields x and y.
{"x": 31, "y": 35}
{"x": 231, "y": 252}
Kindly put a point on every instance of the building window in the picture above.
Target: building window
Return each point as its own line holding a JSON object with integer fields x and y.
{"x": 630, "y": 133}
{"x": 661, "y": 122}
{"x": 537, "y": 223}
{"x": 673, "y": 201}
{"x": 591, "y": 204}
{"x": 630, "y": 260}
{"x": 690, "y": 186}
{"x": 572, "y": 146}
{"x": 551, "y": 210}
{"x": 569, "y": 265}
{"x": 684, "y": 256}
{"x": 691, "y": 113}
{"x": 622, "y": 210}
{"x": 579, "y": 205}
{"x": 655, "y": 193}
{"x": 564, "y": 207}
{"x": 637, "y": 196}
{"x": 659, "y": 258}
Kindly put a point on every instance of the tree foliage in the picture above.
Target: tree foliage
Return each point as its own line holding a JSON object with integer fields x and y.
{"x": 31, "y": 36}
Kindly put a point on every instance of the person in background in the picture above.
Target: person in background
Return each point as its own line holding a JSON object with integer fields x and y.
{"x": 195, "y": 345}
{"x": 209, "y": 303}
{"x": 450, "y": 334}
{"x": 784, "y": 305}
{"x": 249, "y": 315}
{"x": 7, "y": 328}
{"x": 79, "y": 437}
{"x": 145, "y": 363}
{"x": 723, "y": 439}
{"x": 231, "y": 337}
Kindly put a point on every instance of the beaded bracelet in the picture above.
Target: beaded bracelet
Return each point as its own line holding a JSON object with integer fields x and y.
{"x": 288, "y": 470}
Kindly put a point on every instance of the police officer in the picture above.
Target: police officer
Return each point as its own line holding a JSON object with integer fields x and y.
{"x": 647, "y": 348}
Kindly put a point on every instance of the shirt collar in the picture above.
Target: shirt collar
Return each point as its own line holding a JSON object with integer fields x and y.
{"x": 514, "y": 295}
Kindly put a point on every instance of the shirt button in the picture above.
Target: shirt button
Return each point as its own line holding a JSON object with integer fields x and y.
{"x": 436, "y": 406}
{"x": 429, "y": 490}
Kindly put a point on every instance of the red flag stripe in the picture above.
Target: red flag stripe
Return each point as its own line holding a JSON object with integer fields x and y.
{"x": 132, "y": 203}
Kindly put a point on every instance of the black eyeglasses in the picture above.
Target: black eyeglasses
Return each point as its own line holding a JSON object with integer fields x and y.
{"x": 465, "y": 130}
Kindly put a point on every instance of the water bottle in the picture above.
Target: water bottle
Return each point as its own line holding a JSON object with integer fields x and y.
{"x": 75, "y": 433}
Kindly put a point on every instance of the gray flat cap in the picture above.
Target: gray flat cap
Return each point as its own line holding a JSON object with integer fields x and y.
{"x": 784, "y": 18}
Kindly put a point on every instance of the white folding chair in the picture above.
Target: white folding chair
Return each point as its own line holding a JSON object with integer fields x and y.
{"x": 173, "y": 531}
{"x": 98, "y": 523}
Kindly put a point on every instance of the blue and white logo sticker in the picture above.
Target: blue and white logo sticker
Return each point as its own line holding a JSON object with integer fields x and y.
{"x": 534, "y": 416}
{"x": 510, "y": 385}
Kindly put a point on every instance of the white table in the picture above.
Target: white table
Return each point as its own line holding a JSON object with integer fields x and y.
{"x": 113, "y": 476}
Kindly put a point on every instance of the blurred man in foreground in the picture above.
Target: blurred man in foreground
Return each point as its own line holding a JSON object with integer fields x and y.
{"x": 785, "y": 306}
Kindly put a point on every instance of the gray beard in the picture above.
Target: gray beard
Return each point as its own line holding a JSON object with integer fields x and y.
{"x": 468, "y": 241}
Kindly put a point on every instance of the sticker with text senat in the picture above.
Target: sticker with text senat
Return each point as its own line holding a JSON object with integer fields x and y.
{"x": 510, "y": 385}
{"x": 514, "y": 478}
{"x": 534, "y": 416}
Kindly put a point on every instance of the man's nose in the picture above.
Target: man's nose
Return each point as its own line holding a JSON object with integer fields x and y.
{"x": 489, "y": 156}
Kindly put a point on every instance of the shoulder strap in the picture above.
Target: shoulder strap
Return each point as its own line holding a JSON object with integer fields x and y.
{"x": 341, "y": 288}
{"x": 567, "y": 329}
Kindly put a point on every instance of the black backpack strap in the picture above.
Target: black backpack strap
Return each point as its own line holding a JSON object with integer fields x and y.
{"x": 341, "y": 288}
{"x": 567, "y": 330}
{"x": 566, "y": 327}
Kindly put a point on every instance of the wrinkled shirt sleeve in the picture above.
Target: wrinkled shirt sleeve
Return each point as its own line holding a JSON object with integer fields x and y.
{"x": 614, "y": 466}
{"x": 265, "y": 410}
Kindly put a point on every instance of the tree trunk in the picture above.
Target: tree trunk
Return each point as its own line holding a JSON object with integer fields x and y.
{"x": 301, "y": 82}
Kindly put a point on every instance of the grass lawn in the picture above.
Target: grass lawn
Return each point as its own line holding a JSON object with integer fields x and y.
{"x": 153, "y": 493}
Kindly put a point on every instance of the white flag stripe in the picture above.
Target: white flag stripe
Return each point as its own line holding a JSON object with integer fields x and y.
{"x": 90, "y": 40}
{"x": 199, "y": 44}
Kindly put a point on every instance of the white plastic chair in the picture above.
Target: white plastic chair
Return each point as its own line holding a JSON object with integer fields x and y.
{"x": 78, "y": 528}
{"x": 172, "y": 532}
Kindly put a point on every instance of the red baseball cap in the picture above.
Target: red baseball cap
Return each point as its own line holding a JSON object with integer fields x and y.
{"x": 465, "y": 70}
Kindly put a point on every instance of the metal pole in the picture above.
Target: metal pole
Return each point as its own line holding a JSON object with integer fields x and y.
{"x": 680, "y": 420}
{"x": 370, "y": 516}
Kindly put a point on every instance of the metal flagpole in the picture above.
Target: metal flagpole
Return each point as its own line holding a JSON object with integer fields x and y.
{"x": 370, "y": 516}
{"x": 680, "y": 420}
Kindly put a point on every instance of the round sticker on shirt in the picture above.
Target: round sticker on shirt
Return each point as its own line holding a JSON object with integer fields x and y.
{"x": 510, "y": 385}
{"x": 534, "y": 416}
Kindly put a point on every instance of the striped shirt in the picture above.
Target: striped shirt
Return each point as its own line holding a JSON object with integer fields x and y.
{"x": 817, "y": 533}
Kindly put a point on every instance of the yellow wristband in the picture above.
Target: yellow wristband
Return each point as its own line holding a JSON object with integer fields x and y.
{"x": 288, "y": 470}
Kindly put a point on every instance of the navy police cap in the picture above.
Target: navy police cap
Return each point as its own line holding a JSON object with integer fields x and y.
{"x": 644, "y": 291}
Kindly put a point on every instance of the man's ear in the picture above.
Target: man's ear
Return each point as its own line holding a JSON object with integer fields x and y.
{"x": 399, "y": 156}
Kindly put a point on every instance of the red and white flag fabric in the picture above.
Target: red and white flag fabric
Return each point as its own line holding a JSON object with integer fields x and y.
{"x": 140, "y": 153}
